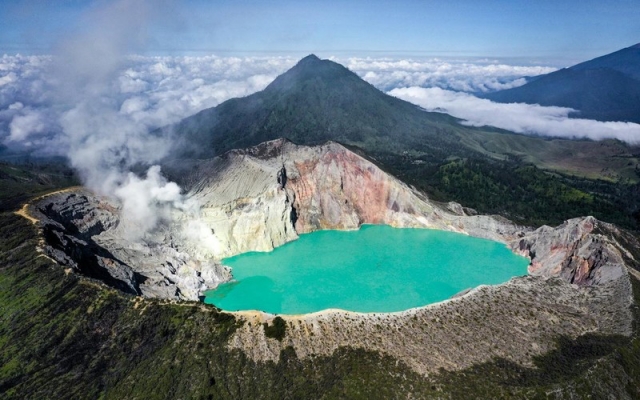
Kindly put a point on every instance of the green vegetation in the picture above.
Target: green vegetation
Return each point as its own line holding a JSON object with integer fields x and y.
{"x": 523, "y": 193}
{"x": 276, "y": 330}
{"x": 19, "y": 183}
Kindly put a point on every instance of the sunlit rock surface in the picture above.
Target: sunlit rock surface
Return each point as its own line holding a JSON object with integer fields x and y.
{"x": 262, "y": 197}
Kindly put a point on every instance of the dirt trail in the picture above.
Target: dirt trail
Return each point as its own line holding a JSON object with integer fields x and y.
{"x": 24, "y": 211}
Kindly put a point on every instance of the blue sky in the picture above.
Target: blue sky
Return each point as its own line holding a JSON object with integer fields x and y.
{"x": 561, "y": 31}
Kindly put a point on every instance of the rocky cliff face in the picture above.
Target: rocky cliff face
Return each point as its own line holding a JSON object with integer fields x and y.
{"x": 259, "y": 198}
{"x": 83, "y": 232}
{"x": 576, "y": 251}
{"x": 262, "y": 197}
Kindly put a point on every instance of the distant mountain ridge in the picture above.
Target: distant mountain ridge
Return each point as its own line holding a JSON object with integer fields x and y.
{"x": 606, "y": 88}
{"x": 626, "y": 61}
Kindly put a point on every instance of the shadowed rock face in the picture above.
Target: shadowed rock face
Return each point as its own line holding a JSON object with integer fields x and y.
{"x": 83, "y": 231}
{"x": 72, "y": 222}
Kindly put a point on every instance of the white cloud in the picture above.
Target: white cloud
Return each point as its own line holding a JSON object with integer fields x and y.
{"x": 460, "y": 75}
{"x": 147, "y": 91}
{"x": 517, "y": 117}
{"x": 8, "y": 78}
{"x": 24, "y": 125}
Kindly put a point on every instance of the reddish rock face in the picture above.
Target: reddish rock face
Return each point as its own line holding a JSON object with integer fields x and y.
{"x": 330, "y": 187}
{"x": 340, "y": 190}
{"x": 572, "y": 251}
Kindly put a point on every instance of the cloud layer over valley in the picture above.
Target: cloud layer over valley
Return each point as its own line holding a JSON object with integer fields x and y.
{"x": 517, "y": 117}
{"x": 467, "y": 75}
{"x": 150, "y": 92}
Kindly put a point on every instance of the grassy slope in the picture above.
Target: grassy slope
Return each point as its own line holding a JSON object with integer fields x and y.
{"x": 608, "y": 159}
{"x": 19, "y": 183}
{"x": 519, "y": 191}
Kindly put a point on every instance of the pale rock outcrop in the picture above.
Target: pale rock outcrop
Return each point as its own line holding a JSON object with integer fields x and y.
{"x": 574, "y": 252}
{"x": 261, "y": 197}
{"x": 243, "y": 204}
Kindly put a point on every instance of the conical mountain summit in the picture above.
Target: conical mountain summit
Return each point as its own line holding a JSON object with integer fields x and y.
{"x": 316, "y": 101}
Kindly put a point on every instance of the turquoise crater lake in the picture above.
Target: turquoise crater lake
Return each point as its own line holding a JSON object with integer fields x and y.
{"x": 374, "y": 269}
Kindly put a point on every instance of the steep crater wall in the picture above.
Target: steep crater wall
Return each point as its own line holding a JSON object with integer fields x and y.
{"x": 262, "y": 197}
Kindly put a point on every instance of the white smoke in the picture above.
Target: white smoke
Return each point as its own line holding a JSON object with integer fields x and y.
{"x": 147, "y": 201}
{"x": 100, "y": 132}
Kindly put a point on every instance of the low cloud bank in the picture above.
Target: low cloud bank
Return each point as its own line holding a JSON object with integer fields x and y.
{"x": 460, "y": 75}
{"x": 139, "y": 93}
{"x": 517, "y": 117}
{"x": 147, "y": 91}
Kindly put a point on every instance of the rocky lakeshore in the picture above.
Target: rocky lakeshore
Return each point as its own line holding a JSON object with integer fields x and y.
{"x": 262, "y": 197}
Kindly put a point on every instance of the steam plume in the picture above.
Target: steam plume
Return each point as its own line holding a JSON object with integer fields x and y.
{"x": 102, "y": 142}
